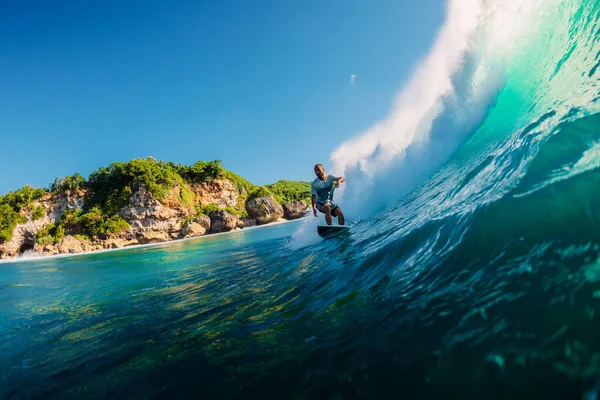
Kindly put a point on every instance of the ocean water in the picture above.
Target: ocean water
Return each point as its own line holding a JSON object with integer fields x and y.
{"x": 472, "y": 270}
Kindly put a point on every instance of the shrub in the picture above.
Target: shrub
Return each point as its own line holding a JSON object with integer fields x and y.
{"x": 241, "y": 185}
{"x": 260, "y": 191}
{"x": 60, "y": 234}
{"x": 50, "y": 234}
{"x": 201, "y": 171}
{"x": 116, "y": 224}
{"x": 37, "y": 213}
{"x": 70, "y": 217}
{"x": 199, "y": 210}
{"x": 286, "y": 191}
{"x": 71, "y": 182}
{"x": 22, "y": 198}
{"x": 113, "y": 186}
{"x": 8, "y": 222}
{"x": 187, "y": 196}
{"x": 94, "y": 223}
{"x": 235, "y": 211}
{"x": 211, "y": 208}
{"x": 45, "y": 240}
{"x": 10, "y": 206}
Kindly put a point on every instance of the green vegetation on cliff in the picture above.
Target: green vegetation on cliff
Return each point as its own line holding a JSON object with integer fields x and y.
{"x": 68, "y": 183}
{"x": 260, "y": 191}
{"x": 286, "y": 191}
{"x": 200, "y": 171}
{"x": 12, "y": 207}
{"x": 113, "y": 186}
{"x": 108, "y": 189}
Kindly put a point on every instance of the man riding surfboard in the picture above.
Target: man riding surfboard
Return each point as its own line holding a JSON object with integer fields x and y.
{"x": 322, "y": 189}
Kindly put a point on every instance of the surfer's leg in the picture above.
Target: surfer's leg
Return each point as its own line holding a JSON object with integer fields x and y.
{"x": 336, "y": 211}
{"x": 340, "y": 215}
{"x": 327, "y": 210}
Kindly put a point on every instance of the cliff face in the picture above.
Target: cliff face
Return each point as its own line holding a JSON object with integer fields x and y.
{"x": 150, "y": 220}
{"x": 220, "y": 192}
{"x": 24, "y": 235}
{"x": 264, "y": 209}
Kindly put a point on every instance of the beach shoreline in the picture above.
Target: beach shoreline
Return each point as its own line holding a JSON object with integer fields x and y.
{"x": 38, "y": 257}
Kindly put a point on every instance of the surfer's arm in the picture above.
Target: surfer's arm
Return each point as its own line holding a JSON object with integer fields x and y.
{"x": 339, "y": 180}
{"x": 314, "y": 204}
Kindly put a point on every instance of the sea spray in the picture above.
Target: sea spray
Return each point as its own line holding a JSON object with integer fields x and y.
{"x": 390, "y": 157}
{"x": 399, "y": 143}
{"x": 484, "y": 50}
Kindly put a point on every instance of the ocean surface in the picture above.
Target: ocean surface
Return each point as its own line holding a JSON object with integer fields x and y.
{"x": 471, "y": 271}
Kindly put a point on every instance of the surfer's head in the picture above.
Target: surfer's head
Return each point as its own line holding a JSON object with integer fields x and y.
{"x": 320, "y": 171}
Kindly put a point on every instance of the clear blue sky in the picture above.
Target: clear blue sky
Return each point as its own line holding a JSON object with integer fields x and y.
{"x": 262, "y": 85}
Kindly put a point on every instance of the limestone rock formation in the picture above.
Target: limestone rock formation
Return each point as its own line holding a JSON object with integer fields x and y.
{"x": 244, "y": 222}
{"x": 264, "y": 209}
{"x": 24, "y": 235}
{"x": 295, "y": 209}
{"x": 145, "y": 213}
{"x": 145, "y": 237}
{"x": 222, "y": 221}
{"x": 70, "y": 244}
{"x": 196, "y": 227}
{"x": 118, "y": 241}
{"x": 220, "y": 192}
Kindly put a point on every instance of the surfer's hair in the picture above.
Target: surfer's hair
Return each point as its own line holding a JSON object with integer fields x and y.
{"x": 317, "y": 165}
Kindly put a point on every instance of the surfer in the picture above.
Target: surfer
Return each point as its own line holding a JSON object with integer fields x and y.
{"x": 322, "y": 189}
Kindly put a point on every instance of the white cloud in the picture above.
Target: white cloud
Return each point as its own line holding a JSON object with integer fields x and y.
{"x": 352, "y": 79}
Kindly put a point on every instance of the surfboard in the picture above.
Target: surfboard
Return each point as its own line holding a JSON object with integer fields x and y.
{"x": 330, "y": 231}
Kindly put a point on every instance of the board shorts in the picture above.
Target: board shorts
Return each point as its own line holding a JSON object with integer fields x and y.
{"x": 333, "y": 206}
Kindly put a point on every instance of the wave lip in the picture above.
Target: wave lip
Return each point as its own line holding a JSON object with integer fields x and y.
{"x": 485, "y": 75}
{"x": 366, "y": 159}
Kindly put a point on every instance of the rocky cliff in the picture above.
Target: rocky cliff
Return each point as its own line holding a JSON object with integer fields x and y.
{"x": 149, "y": 220}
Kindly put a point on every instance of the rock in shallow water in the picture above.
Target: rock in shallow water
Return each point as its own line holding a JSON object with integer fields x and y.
{"x": 295, "y": 209}
{"x": 222, "y": 221}
{"x": 70, "y": 245}
{"x": 197, "y": 227}
{"x": 264, "y": 209}
{"x": 152, "y": 237}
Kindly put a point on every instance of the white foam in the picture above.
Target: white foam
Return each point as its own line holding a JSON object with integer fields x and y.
{"x": 365, "y": 160}
{"x": 447, "y": 98}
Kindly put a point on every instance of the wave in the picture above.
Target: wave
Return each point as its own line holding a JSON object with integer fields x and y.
{"x": 494, "y": 68}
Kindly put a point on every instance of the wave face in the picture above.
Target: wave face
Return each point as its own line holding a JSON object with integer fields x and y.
{"x": 495, "y": 68}
{"x": 474, "y": 271}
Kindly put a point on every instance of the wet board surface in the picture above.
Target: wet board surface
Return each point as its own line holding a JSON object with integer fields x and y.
{"x": 330, "y": 231}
